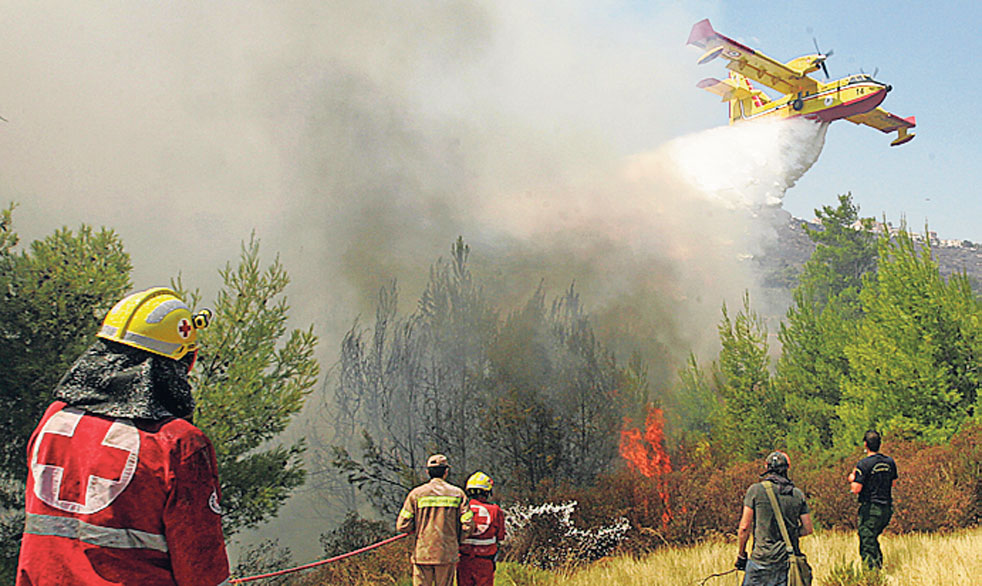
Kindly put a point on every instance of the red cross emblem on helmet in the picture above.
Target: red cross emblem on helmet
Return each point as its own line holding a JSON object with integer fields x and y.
{"x": 81, "y": 464}
{"x": 184, "y": 328}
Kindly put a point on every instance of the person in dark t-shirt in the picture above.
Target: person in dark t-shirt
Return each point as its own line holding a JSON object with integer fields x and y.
{"x": 872, "y": 480}
{"x": 768, "y": 562}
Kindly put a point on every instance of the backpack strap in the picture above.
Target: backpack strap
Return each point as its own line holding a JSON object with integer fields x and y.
{"x": 777, "y": 513}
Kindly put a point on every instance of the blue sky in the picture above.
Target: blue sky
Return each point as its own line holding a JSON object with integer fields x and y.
{"x": 927, "y": 52}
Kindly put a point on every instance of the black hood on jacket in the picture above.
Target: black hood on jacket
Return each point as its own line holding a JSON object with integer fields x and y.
{"x": 121, "y": 381}
{"x": 782, "y": 484}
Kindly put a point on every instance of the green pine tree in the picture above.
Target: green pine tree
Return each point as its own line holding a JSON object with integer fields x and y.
{"x": 812, "y": 367}
{"x": 248, "y": 383}
{"x": 845, "y": 252}
{"x": 692, "y": 402}
{"x": 823, "y": 317}
{"x": 915, "y": 358}
{"x": 749, "y": 416}
{"x": 55, "y": 295}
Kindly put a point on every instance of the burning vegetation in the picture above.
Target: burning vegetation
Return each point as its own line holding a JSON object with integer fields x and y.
{"x": 646, "y": 454}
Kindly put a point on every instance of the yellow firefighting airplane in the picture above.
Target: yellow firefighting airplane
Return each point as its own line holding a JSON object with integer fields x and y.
{"x": 855, "y": 98}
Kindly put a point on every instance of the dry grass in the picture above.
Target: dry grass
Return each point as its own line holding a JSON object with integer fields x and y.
{"x": 913, "y": 559}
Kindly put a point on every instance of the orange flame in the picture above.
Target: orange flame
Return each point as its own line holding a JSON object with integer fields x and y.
{"x": 646, "y": 454}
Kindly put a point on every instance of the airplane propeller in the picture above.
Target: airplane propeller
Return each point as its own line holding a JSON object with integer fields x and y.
{"x": 825, "y": 56}
{"x": 875, "y": 71}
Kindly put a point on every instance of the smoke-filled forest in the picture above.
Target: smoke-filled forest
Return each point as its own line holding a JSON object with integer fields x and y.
{"x": 875, "y": 338}
{"x": 591, "y": 454}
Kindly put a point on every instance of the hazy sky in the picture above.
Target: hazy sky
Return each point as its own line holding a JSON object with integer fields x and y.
{"x": 186, "y": 125}
{"x": 357, "y": 139}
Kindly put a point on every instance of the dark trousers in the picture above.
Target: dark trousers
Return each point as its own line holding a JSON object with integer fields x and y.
{"x": 758, "y": 574}
{"x": 873, "y": 519}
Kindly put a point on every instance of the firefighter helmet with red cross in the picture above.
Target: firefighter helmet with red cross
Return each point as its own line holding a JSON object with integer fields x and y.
{"x": 155, "y": 320}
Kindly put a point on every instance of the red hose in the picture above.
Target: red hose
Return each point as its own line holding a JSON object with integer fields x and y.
{"x": 320, "y": 563}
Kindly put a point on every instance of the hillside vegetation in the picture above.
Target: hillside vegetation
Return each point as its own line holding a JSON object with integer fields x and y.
{"x": 876, "y": 336}
{"x": 602, "y": 440}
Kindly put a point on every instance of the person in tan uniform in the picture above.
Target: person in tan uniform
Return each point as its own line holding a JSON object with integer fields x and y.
{"x": 439, "y": 517}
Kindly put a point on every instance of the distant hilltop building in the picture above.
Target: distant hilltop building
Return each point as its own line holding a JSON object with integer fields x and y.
{"x": 889, "y": 228}
{"x": 782, "y": 260}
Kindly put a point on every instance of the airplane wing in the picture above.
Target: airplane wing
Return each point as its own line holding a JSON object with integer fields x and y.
{"x": 725, "y": 89}
{"x": 884, "y": 121}
{"x": 748, "y": 62}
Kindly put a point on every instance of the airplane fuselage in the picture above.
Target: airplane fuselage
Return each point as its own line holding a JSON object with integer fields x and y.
{"x": 831, "y": 101}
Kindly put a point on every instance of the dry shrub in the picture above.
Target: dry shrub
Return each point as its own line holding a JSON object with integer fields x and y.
{"x": 939, "y": 489}
{"x": 719, "y": 503}
{"x": 967, "y": 467}
{"x": 622, "y": 494}
{"x": 927, "y": 496}
{"x": 262, "y": 558}
{"x": 831, "y": 503}
{"x": 387, "y": 565}
{"x": 354, "y": 533}
{"x": 682, "y": 506}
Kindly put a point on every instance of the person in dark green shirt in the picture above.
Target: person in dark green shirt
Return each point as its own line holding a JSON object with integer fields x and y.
{"x": 768, "y": 562}
{"x": 872, "y": 480}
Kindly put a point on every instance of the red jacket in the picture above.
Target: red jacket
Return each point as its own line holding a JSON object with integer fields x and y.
{"x": 489, "y": 530}
{"x": 115, "y": 501}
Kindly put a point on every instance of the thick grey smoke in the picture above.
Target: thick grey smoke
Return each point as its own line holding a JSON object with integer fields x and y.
{"x": 359, "y": 139}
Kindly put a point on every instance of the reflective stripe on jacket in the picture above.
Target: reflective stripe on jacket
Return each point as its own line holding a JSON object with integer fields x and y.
{"x": 437, "y": 515}
{"x": 93, "y": 534}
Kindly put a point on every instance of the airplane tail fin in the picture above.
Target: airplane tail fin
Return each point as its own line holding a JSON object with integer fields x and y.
{"x": 751, "y": 98}
{"x": 739, "y": 92}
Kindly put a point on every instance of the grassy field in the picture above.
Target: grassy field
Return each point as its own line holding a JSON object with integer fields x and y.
{"x": 916, "y": 559}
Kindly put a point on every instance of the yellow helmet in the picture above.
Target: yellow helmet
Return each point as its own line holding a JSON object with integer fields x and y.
{"x": 480, "y": 481}
{"x": 155, "y": 320}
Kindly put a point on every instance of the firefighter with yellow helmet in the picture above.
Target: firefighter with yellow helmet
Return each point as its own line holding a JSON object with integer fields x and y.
{"x": 122, "y": 488}
{"x": 479, "y": 551}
